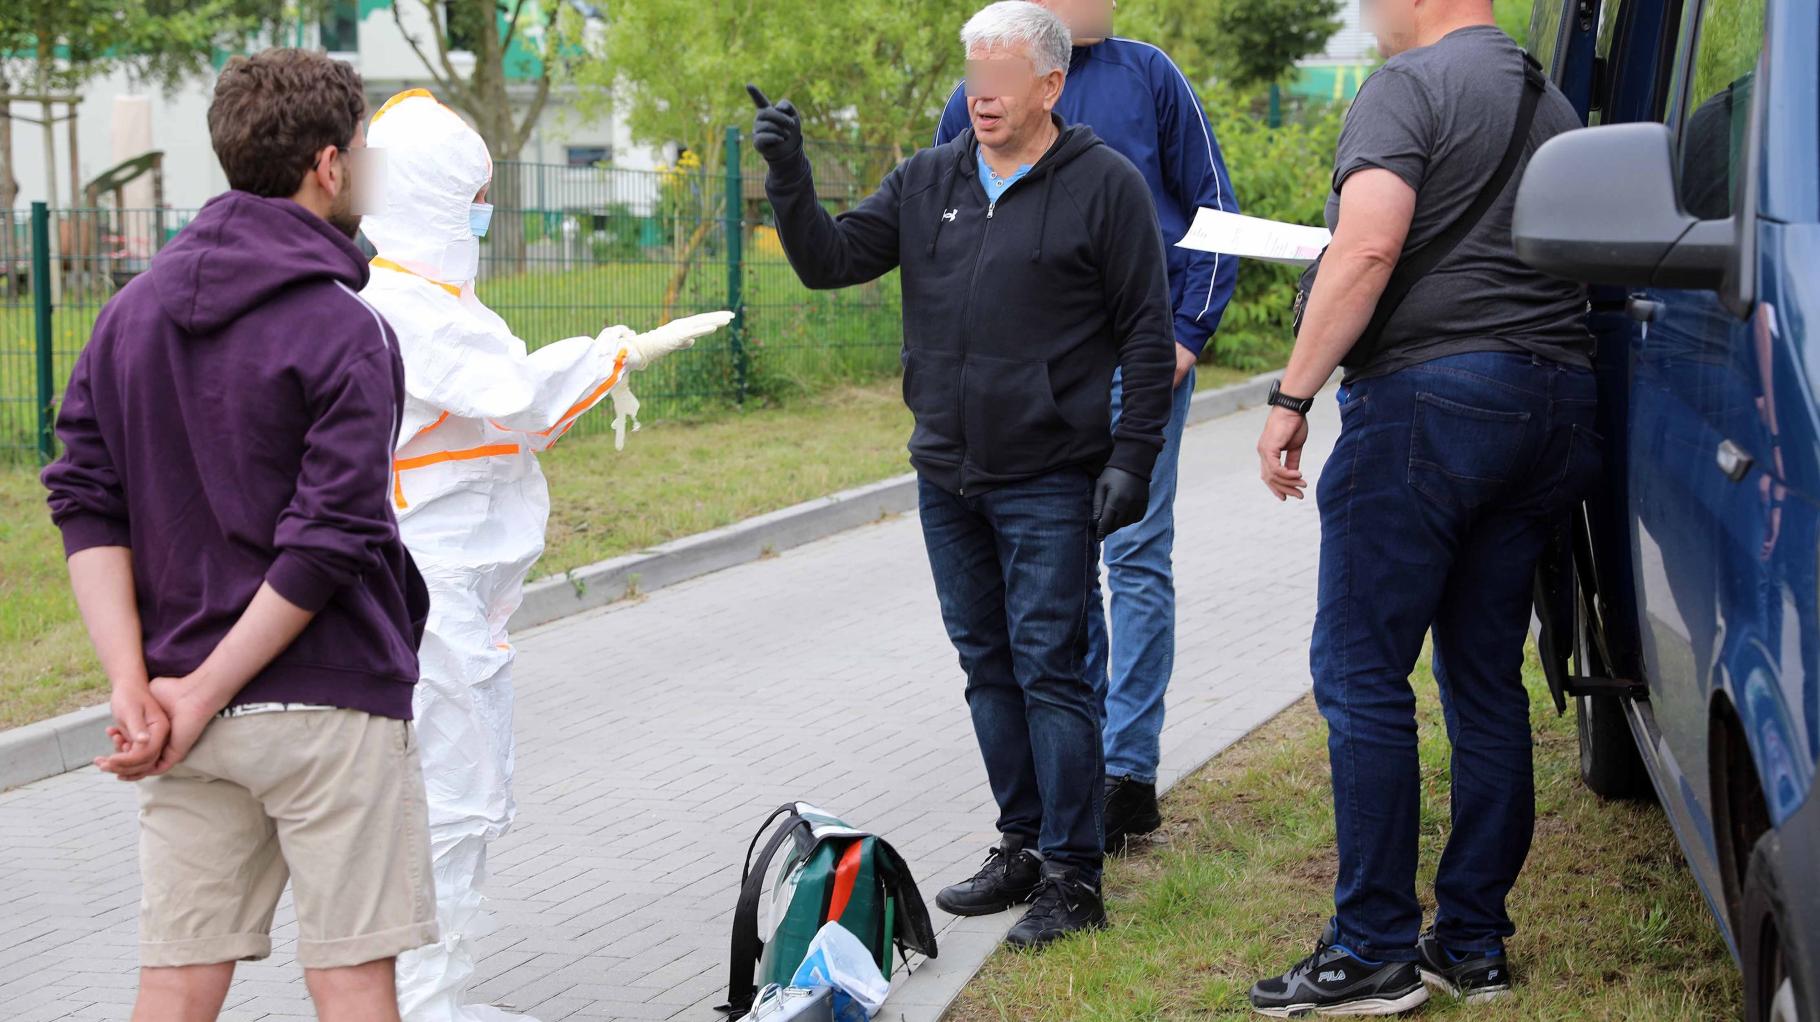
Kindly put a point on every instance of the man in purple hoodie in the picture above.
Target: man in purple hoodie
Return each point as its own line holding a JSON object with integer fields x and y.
{"x": 228, "y": 438}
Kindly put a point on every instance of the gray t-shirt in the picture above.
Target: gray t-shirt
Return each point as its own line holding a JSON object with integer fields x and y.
{"x": 1440, "y": 118}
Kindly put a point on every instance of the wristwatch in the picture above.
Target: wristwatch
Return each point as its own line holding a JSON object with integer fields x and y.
{"x": 1298, "y": 405}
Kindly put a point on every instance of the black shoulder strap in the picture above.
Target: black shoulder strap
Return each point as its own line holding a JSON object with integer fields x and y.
{"x": 1418, "y": 265}
{"x": 747, "y": 948}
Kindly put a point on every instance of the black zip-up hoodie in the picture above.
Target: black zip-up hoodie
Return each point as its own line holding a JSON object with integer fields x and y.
{"x": 1016, "y": 313}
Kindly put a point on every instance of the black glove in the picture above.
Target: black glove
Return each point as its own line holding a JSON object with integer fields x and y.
{"x": 777, "y": 131}
{"x": 1119, "y": 499}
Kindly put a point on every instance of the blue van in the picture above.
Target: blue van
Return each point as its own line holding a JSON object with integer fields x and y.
{"x": 1682, "y": 614}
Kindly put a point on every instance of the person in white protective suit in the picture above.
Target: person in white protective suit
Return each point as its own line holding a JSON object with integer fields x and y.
{"x": 471, "y": 501}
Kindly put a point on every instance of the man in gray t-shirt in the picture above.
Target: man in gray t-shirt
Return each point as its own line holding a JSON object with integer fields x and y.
{"x": 1440, "y": 118}
{"x": 1466, "y": 433}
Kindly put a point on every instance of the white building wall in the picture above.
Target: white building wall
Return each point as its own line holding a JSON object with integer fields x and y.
{"x": 1351, "y": 44}
{"x": 179, "y": 127}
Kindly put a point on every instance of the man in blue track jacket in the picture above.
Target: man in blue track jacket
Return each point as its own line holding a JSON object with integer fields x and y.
{"x": 1135, "y": 98}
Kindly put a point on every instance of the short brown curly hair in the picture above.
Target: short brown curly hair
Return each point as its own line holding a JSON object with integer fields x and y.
{"x": 274, "y": 111}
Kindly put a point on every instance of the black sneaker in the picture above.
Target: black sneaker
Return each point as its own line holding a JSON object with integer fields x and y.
{"x": 1065, "y": 904}
{"x": 1474, "y": 975}
{"x": 1009, "y": 877}
{"x": 1334, "y": 981}
{"x": 1131, "y": 810}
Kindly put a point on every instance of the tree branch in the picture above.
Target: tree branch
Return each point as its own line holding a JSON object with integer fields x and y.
{"x": 552, "y": 47}
{"x": 448, "y": 81}
{"x": 505, "y": 46}
{"x": 535, "y": 110}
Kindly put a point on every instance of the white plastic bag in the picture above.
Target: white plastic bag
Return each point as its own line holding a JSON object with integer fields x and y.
{"x": 837, "y": 959}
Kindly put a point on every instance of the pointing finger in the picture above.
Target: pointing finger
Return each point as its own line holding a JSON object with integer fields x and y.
{"x": 758, "y": 96}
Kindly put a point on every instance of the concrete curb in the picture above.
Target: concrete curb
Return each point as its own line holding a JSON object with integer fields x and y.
{"x": 599, "y": 584}
{"x": 54, "y": 746}
{"x": 73, "y": 740}
{"x": 1234, "y": 397}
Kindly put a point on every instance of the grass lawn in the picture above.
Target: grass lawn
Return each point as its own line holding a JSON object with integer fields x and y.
{"x": 673, "y": 479}
{"x": 676, "y": 479}
{"x": 1609, "y": 923}
{"x": 1209, "y": 377}
{"x": 48, "y": 665}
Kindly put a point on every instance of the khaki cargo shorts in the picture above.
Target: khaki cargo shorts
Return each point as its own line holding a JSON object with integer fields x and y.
{"x": 331, "y": 800}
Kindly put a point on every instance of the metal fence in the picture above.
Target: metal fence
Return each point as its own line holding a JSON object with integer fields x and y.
{"x": 571, "y": 250}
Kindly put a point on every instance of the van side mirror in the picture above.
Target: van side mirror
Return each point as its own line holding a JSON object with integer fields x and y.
{"x": 1599, "y": 205}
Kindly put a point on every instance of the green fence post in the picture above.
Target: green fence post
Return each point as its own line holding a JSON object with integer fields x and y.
{"x": 41, "y": 313}
{"x": 736, "y": 263}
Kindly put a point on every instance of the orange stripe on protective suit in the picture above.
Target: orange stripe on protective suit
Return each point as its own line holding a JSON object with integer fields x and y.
{"x": 402, "y": 465}
{"x": 401, "y": 97}
{"x": 440, "y": 419}
{"x": 576, "y": 410}
{"x": 386, "y": 264}
{"x": 397, "y": 484}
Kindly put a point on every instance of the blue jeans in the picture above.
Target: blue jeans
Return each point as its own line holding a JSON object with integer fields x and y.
{"x": 1012, "y": 569}
{"x": 1446, "y": 482}
{"x": 1142, "y": 638}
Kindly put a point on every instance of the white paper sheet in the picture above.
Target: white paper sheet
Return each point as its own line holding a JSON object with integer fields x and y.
{"x": 1251, "y": 237}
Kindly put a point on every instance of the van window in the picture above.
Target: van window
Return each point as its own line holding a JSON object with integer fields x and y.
{"x": 1545, "y": 20}
{"x": 1714, "y": 116}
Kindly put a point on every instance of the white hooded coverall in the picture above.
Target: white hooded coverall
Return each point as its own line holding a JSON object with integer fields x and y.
{"x": 471, "y": 501}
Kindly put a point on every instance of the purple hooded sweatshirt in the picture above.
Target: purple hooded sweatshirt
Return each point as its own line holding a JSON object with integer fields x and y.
{"x": 232, "y": 421}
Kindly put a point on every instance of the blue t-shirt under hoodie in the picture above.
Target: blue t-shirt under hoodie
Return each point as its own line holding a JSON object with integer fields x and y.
{"x": 1135, "y": 98}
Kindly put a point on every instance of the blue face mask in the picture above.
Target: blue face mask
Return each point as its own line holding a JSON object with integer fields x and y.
{"x": 480, "y": 214}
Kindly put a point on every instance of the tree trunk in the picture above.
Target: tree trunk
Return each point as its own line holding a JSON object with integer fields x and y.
{"x": 9, "y": 185}
{"x": 685, "y": 261}
{"x": 484, "y": 96}
{"x": 506, "y": 237}
{"x": 9, "y": 191}
{"x": 709, "y": 211}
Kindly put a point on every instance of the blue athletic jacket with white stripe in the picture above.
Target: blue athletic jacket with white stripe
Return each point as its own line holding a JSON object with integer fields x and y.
{"x": 1135, "y": 99}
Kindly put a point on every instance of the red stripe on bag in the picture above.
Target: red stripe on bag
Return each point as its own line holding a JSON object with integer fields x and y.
{"x": 846, "y": 874}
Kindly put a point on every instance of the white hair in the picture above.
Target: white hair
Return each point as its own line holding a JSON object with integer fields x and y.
{"x": 1021, "y": 24}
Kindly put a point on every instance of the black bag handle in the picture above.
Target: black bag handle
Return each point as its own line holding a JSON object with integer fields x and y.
{"x": 1412, "y": 269}
{"x": 747, "y": 948}
{"x": 746, "y": 871}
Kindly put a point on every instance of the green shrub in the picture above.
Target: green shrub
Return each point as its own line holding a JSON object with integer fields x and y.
{"x": 1282, "y": 173}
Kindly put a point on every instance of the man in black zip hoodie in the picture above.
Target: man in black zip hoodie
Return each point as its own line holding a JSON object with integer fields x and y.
{"x": 1032, "y": 268}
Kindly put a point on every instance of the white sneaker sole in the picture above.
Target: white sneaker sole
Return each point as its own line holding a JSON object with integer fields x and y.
{"x": 1364, "y": 1006}
{"x": 1446, "y": 986}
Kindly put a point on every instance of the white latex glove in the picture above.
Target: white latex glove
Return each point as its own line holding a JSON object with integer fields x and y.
{"x": 625, "y": 406}
{"x": 616, "y": 337}
{"x": 675, "y": 335}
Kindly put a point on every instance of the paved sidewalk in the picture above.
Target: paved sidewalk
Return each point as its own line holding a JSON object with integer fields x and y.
{"x": 654, "y": 736}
